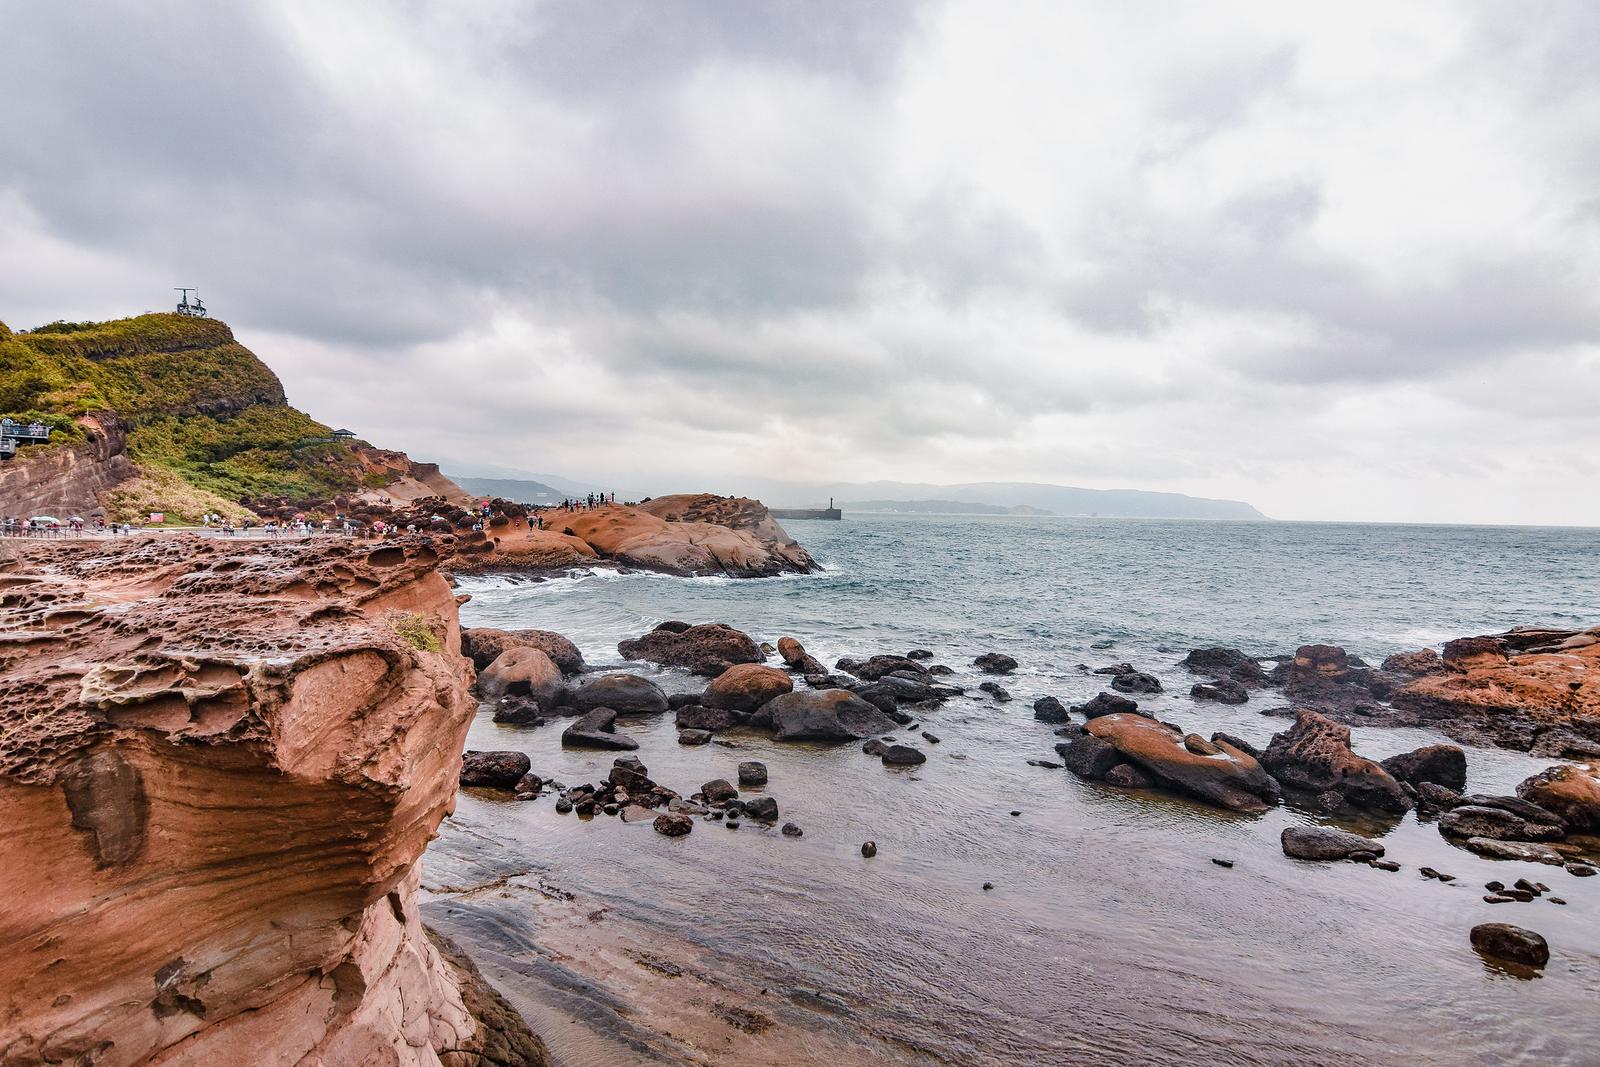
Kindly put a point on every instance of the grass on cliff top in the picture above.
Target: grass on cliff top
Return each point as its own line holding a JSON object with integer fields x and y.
{"x": 197, "y": 405}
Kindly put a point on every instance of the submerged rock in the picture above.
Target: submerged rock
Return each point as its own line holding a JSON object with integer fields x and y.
{"x": 694, "y": 737}
{"x": 1503, "y": 941}
{"x": 1525, "y": 851}
{"x": 1473, "y": 820}
{"x": 903, "y": 756}
{"x": 1325, "y": 843}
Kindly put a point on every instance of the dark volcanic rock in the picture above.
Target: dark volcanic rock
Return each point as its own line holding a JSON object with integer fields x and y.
{"x": 1223, "y": 691}
{"x": 1473, "y": 820}
{"x": 1444, "y": 765}
{"x": 1129, "y": 776}
{"x": 518, "y": 711}
{"x": 1227, "y": 663}
{"x": 625, "y": 694}
{"x": 752, "y": 772}
{"x": 1424, "y": 661}
{"x": 996, "y": 690}
{"x": 675, "y": 701}
{"x": 763, "y": 808}
{"x": 1506, "y": 942}
{"x": 1323, "y": 677}
{"x": 903, "y": 756}
{"x": 673, "y": 824}
{"x": 1107, "y": 704}
{"x": 694, "y": 737}
{"x": 707, "y": 649}
{"x": 826, "y": 715}
{"x": 1314, "y": 756}
{"x": 995, "y": 663}
{"x": 696, "y": 717}
{"x": 1049, "y": 709}
{"x": 1325, "y": 843}
{"x": 497, "y": 770}
{"x": 1136, "y": 682}
{"x": 629, "y": 774}
{"x": 1089, "y": 757}
{"x": 875, "y": 668}
{"x": 798, "y": 659}
{"x": 597, "y": 729}
{"x": 719, "y": 791}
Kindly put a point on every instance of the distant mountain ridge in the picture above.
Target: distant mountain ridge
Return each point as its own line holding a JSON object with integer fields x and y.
{"x": 939, "y": 507}
{"x": 1056, "y": 499}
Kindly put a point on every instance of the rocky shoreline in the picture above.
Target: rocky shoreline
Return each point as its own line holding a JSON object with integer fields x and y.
{"x": 148, "y": 685}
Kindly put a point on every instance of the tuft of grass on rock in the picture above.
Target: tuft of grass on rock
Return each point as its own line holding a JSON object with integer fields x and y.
{"x": 419, "y": 633}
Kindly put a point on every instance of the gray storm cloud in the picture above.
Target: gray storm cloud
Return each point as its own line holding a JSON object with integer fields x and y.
{"x": 1337, "y": 263}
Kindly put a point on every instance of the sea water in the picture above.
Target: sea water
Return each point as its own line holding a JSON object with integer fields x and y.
{"x": 1109, "y": 935}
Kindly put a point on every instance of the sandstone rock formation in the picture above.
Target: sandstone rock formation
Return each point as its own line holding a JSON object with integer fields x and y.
{"x": 1215, "y": 772}
{"x": 707, "y": 649}
{"x": 1314, "y": 757}
{"x": 1515, "y": 689}
{"x": 484, "y": 644}
{"x": 219, "y": 766}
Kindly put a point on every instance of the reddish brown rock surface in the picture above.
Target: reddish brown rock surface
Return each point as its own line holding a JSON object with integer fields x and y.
{"x": 1224, "y": 775}
{"x": 1513, "y": 689}
{"x": 219, "y": 766}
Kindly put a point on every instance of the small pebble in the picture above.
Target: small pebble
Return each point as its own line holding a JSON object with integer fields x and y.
{"x": 1494, "y": 887}
{"x": 792, "y": 830}
{"x": 1016, "y": 813}
{"x": 1385, "y": 865}
{"x": 1222, "y": 863}
{"x": 988, "y": 886}
{"x": 732, "y": 824}
{"x": 869, "y": 849}
{"x": 1556, "y": 900}
{"x": 1496, "y": 898}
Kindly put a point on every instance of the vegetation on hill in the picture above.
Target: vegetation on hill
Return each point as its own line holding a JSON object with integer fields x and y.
{"x": 206, "y": 420}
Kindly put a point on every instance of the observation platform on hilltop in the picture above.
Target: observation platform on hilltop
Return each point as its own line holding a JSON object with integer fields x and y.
{"x": 13, "y": 434}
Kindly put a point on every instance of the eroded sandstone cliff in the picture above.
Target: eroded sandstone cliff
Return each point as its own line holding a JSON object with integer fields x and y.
{"x": 219, "y": 766}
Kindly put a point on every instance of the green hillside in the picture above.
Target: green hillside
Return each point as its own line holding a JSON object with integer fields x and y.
{"x": 206, "y": 421}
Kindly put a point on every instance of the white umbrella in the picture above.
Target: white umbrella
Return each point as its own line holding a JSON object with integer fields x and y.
{"x": 46, "y": 519}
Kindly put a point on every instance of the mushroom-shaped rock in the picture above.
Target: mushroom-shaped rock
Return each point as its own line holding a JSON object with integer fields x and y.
{"x": 497, "y": 770}
{"x": 747, "y": 686}
{"x": 522, "y": 670}
{"x": 1230, "y": 778}
{"x": 824, "y": 715}
{"x": 1570, "y": 791}
{"x": 1314, "y": 756}
{"x": 707, "y": 649}
{"x": 625, "y": 694}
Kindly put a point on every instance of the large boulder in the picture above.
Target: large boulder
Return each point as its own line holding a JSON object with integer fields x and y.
{"x": 626, "y": 694}
{"x": 1570, "y": 791}
{"x": 496, "y": 770}
{"x": 483, "y": 645}
{"x": 747, "y": 686}
{"x": 1444, "y": 765}
{"x": 523, "y": 670}
{"x": 824, "y": 715}
{"x": 1314, "y": 756}
{"x": 597, "y": 729}
{"x": 1325, "y": 843}
{"x": 707, "y": 649}
{"x": 1218, "y": 774}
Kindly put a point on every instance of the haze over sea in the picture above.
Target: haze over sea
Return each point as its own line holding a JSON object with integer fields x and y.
{"x": 1109, "y": 935}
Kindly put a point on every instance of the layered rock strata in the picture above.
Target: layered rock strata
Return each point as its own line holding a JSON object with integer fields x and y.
{"x": 219, "y": 766}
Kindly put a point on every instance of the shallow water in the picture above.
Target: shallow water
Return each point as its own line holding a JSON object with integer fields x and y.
{"x": 1109, "y": 935}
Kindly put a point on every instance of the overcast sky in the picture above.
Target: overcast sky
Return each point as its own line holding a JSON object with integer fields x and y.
{"x": 1339, "y": 260}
